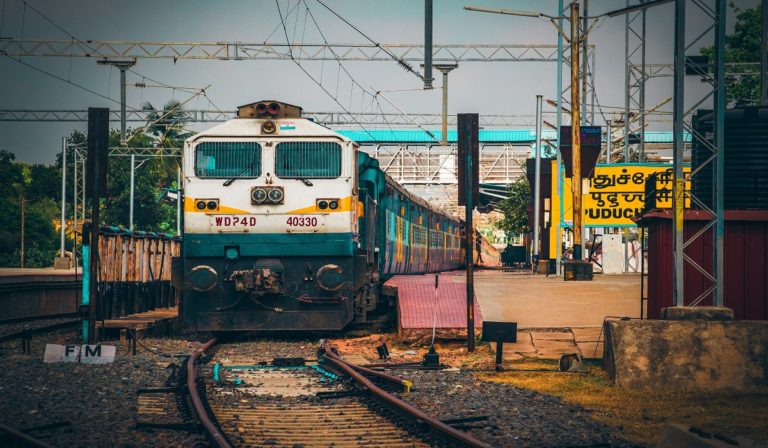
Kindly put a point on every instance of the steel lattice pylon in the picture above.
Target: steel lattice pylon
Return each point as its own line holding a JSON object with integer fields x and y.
{"x": 634, "y": 98}
{"x": 713, "y": 13}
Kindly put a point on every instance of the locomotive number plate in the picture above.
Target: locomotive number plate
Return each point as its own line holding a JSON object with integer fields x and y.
{"x": 306, "y": 223}
{"x": 233, "y": 222}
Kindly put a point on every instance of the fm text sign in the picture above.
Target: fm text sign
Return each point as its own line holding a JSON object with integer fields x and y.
{"x": 84, "y": 354}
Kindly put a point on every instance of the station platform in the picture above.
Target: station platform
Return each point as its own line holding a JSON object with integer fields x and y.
{"x": 31, "y": 292}
{"x": 555, "y": 317}
{"x": 417, "y": 306}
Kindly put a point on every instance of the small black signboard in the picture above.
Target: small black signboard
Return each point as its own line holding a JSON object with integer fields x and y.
{"x": 499, "y": 332}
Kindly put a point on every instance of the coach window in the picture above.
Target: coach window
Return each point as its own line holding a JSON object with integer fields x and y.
{"x": 308, "y": 160}
{"x": 227, "y": 160}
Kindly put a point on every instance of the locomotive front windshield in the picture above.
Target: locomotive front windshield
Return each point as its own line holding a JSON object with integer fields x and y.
{"x": 219, "y": 160}
{"x": 308, "y": 160}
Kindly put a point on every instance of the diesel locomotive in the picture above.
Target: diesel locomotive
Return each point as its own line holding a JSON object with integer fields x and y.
{"x": 288, "y": 226}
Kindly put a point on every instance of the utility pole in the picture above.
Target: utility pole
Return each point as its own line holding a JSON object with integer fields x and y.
{"x": 468, "y": 160}
{"x": 427, "y": 44}
{"x": 678, "y": 127}
{"x": 576, "y": 132}
{"x": 63, "y": 195}
{"x": 21, "y": 254}
{"x": 445, "y": 69}
{"x": 133, "y": 189}
{"x": 537, "y": 185}
{"x": 121, "y": 65}
{"x": 584, "y": 65}
{"x": 609, "y": 142}
{"x": 124, "y": 65}
{"x": 764, "y": 56}
{"x": 179, "y": 199}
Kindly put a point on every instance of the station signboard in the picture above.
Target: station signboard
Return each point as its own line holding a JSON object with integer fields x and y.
{"x": 616, "y": 194}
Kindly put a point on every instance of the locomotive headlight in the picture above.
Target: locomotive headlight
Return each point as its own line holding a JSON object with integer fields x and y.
{"x": 330, "y": 277}
{"x": 276, "y": 195}
{"x": 268, "y": 127}
{"x": 333, "y": 205}
{"x": 258, "y": 195}
{"x": 203, "y": 278}
{"x": 213, "y": 205}
{"x": 200, "y": 205}
{"x": 322, "y": 204}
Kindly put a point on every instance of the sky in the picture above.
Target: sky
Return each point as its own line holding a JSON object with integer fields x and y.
{"x": 485, "y": 88}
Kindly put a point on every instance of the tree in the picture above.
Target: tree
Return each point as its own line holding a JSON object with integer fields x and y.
{"x": 514, "y": 209}
{"x": 20, "y": 181}
{"x": 743, "y": 45}
{"x": 151, "y": 175}
{"x": 169, "y": 126}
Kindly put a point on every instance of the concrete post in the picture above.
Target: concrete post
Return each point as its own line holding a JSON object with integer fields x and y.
{"x": 537, "y": 184}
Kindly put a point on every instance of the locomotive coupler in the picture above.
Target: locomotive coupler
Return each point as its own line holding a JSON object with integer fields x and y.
{"x": 258, "y": 281}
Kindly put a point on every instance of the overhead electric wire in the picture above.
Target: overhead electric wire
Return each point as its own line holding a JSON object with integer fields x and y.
{"x": 319, "y": 84}
{"x": 400, "y": 61}
{"x": 75, "y": 39}
{"x": 60, "y": 78}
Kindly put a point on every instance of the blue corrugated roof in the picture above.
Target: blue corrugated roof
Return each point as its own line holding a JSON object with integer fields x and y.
{"x": 486, "y": 136}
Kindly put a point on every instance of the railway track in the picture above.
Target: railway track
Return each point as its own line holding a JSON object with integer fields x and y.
{"x": 295, "y": 403}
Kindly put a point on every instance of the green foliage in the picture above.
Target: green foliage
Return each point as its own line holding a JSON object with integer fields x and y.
{"x": 31, "y": 184}
{"x": 151, "y": 175}
{"x": 39, "y": 186}
{"x": 514, "y": 209}
{"x": 743, "y": 45}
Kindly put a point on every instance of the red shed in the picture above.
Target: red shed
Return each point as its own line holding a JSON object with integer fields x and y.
{"x": 746, "y": 261}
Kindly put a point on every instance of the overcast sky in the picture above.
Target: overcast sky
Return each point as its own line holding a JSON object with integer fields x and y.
{"x": 486, "y": 88}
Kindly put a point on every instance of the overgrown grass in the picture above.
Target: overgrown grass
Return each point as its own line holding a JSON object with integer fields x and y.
{"x": 641, "y": 415}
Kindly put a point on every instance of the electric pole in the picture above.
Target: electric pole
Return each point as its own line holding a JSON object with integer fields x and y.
{"x": 576, "y": 132}
{"x": 445, "y": 69}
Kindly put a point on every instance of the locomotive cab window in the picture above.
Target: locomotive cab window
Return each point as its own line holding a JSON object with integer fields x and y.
{"x": 308, "y": 160}
{"x": 220, "y": 160}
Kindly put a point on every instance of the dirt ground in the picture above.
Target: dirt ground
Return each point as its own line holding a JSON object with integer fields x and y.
{"x": 639, "y": 415}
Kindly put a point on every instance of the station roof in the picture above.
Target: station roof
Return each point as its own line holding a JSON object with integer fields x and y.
{"x": 521, "y": 136}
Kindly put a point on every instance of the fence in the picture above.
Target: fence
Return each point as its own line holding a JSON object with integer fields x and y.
{"x": 135, "y": 272}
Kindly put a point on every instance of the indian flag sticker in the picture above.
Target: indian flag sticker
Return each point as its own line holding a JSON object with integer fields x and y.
{"x": 288, "y": 126}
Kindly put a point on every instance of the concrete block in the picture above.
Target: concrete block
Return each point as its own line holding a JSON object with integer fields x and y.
{"x": 687, "y": 354}
{"x": 697, "y": 313}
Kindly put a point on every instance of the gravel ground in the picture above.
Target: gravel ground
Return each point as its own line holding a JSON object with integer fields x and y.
{"x": 99, "y": 401}
{"x": 516, "y": 417}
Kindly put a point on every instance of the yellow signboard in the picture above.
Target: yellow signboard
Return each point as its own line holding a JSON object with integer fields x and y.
{"x": 616, "y": 194}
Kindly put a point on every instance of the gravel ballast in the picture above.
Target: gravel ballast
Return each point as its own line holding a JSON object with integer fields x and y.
{"x": 100, "y": 402}
{"x": 516, "y": 417}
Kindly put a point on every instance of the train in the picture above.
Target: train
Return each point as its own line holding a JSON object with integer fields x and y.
{"x": 288, "y": 226}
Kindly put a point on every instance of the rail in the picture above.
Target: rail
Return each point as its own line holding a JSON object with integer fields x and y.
{"x": 210, "y": 428}
{"x": 355, "y": 372}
